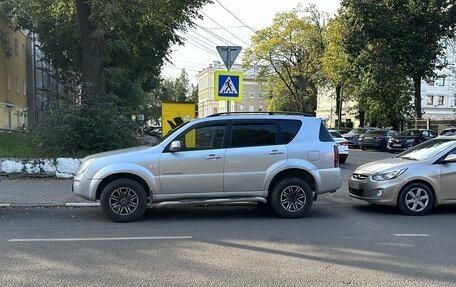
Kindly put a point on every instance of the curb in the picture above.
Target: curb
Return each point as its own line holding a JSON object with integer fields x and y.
{"x": 50, "y": 205}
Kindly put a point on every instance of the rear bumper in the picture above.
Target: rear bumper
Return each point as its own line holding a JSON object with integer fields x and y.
{"x": 330, "y": 180}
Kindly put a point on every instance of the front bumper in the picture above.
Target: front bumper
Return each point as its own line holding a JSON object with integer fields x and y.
{"x": 85, "y": 188}
{"x": 378, "y": 192}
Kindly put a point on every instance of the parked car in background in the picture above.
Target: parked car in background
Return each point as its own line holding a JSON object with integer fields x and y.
{"x": 448, "y": 132}
{"x": 342, "y": 145}
{"x": 286, "y": 160}
{"x": 353, "y": 136}
{"x": 376, "y": 139}
{"x": 410, "y": 138}
{"x": 415, "y": 180}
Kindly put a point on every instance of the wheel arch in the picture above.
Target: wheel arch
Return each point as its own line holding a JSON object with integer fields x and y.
{"x": 294, "y": 172}
{"x": 422, "y": 181}
{"x": 115, "y": 176}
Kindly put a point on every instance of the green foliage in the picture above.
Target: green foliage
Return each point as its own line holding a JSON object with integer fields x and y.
{"x": 21, "y": 145}
{"x": 408, "y": 32}
{"x": 87, "y": 128}
{"x": 288, "y": 55}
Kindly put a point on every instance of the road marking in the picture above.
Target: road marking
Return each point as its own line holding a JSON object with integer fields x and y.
{"x": 412, "y": 234}
{"x": 98, "y": 239}
{"x": 5, "y": 204}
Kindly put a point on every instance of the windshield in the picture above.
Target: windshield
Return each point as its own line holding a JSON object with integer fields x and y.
{"x": 169, "y": 134}
{"x": 427, "y": 149}
{"x": 335, "y": 135}
{"x": 410, "y": 133}
{"x": 376, "y": 132}
{"x": 451, "y": 132}
{"x": 358, "y": 131}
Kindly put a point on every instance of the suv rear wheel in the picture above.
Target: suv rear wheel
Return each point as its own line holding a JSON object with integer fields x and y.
{"x": 123, "y": 200}
{"x": 291, "y": 198}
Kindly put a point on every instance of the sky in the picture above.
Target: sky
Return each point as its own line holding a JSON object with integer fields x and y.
{"x": 199, "y": 49}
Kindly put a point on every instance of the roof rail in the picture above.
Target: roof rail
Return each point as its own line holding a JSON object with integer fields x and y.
{"x": 261, "y": 113}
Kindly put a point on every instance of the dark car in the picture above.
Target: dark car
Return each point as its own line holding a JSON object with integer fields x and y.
{"x": 410, "y": 138}
{"x": 353, "y": 136}
{"x": 376, "y": 139}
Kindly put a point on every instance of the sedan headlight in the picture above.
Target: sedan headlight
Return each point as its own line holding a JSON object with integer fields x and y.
{"x": 410, "y": 140}
{"x": 388, "y": 175}
{"x": 84, "y": 165}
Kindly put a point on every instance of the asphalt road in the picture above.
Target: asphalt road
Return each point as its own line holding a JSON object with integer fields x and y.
{"x": 342, "y": 242}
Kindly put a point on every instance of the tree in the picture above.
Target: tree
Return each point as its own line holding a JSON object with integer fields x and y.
{"x": 115, "y": 48}
{"x": 409, "y": 31}
{"x": 288, "y": 56}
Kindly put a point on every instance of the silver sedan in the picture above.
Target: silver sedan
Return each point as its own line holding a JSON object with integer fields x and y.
{"x": 415, "y": 180}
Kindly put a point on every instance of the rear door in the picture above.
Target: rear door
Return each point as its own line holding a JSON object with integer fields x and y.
{"x": 255, "y": 146}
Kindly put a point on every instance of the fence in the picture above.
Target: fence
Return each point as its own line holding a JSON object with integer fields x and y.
{"x": 436, "y": 125}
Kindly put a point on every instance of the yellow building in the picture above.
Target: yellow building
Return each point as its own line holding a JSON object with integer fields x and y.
{"x": 13, "y": 82}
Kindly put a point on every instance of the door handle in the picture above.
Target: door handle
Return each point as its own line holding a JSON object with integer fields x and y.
{"x": 213, "y": 156}
{"x": 276, "y": 152}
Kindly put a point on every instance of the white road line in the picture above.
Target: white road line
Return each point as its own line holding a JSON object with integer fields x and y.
{"x": 98, "y": 239}
{"x": 5, "y": 204}
{"x": 412, "y": 234}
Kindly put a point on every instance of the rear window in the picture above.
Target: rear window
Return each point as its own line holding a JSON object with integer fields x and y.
{"x": 289, "y": 129}
{"x": 335, "y": 135}
{"x": 253, "y": 134}
{"x": 325, "y": 136}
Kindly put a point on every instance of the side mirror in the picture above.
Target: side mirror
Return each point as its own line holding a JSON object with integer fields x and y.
{"x": 175, "y": 146}
{"x": 450, "y": 158}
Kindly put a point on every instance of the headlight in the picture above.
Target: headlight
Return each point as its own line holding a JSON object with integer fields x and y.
{"x": 84, "y": 165}
{"x": 410, "y": 140}
{"x": 388, "y": 175}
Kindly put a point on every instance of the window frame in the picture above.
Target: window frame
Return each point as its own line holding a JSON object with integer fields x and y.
{"x": 279, "y": 138}
{"x": 196, "y": 126}
{"x": 440, "y": 98}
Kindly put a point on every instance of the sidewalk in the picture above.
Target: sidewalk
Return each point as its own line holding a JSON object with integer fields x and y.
{"x": 49, "y": 192}
{"x": 37, "y": 192}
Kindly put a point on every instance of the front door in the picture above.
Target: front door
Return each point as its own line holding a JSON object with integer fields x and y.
{"x": 198, "y": 166}
{"x": 448, "y": 179}
{"x": 254, "y": 149}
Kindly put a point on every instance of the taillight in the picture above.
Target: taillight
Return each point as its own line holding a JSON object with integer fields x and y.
{"x": 378, "y": 137}
{"x": 336, "y": 156}
{"x": 343, "y": 143}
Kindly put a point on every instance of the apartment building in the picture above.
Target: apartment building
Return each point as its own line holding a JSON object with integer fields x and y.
{"x": 13, "y": 78}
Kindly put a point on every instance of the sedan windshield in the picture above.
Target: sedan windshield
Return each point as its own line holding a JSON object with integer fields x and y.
{"x": 410, "y": 133}
{"x": 448, "y": 132}
{"x": 357, "y": 131}
{"x": 335, "y": 135}
{"x": 427, "y": 149}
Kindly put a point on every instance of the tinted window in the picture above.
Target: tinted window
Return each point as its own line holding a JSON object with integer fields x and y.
{"x": 325, "y": 136}
{"x": 425, "y": 133}
{"x": 201, "y": 138}
{"x": 260, "y": 134}
{"x": 335, "y": 135}
{"x": 289, "y": 129}
{"x": 410, "y": 133}
{"x": 451, "y": 132}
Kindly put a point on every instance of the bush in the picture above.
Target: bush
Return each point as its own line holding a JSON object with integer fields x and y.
{"x": 84, "y": 129}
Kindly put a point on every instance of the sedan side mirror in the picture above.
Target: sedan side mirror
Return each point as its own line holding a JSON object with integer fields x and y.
{"x": 450, "y": 158}
{"x": 175, "y": 146}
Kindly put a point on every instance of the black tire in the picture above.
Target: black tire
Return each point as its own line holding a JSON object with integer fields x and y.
{"x": 364, "y": 148}
{"x": 301, "y": 198}
{"x": 123, "y": 200}
{"x": 342, "y": 159}
{"x": 408, "y": 201}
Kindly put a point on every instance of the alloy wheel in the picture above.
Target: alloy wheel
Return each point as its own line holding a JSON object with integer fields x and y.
{"x": 123, "y": 201}
{"x": 293, "y": 198}
{"x": 417, "y": 199}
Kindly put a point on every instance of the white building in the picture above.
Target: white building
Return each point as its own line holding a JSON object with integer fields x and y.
{"x": 438, "y": 96}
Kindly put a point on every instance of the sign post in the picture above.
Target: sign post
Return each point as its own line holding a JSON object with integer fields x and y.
{"x": 229, "y": 55}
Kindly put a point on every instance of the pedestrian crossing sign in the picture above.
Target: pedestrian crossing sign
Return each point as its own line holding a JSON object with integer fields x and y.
{"x": 228, "y": 86}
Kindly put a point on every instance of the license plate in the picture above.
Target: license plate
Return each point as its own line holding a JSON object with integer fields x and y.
{"x": 368, "y": 138}
{"x": 397, "y": 145}
{"x": 354, "y": 185}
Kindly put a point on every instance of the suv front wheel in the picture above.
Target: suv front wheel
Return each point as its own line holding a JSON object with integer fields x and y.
{"x": 123, "y": 200}
{"x": 291, "y": 198}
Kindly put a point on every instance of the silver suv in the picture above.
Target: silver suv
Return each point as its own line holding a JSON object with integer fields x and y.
{"x": 286, "y": 160}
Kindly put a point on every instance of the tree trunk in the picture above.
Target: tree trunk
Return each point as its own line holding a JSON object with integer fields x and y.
{"x": 338, "y": 105}
{"x": 417, "y": 96}
{"x": 91, "y": 54}
{"x": 362, "y": 116}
